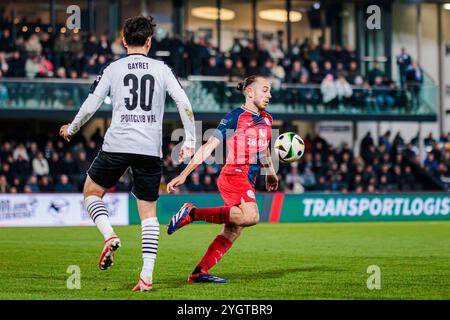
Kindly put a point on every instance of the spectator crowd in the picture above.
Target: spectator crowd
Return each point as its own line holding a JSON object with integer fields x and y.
{"x": 385, "y": 166}
{"x": 335, "y": 72}
{"x": 50, "y": 165}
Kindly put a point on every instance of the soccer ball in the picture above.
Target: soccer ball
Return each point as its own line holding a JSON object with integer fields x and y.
{"x": 289, "y": 147}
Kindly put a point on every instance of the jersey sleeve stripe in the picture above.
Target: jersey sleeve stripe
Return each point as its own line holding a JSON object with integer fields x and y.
{"x": 97, "y": 80}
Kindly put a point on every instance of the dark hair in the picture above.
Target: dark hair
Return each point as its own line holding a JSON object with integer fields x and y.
{"x": 137, "y": 29}
{"x": 243, "y": 84}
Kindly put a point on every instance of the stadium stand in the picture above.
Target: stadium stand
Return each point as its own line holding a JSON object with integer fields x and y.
{"x": 50, "y": 165}
{"x": 314, "y": 78}
{"x": 332, "y": 75}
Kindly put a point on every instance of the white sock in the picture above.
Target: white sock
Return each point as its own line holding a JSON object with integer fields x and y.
{"x": 150, "y": 238}
{"x": 99, "y": 214}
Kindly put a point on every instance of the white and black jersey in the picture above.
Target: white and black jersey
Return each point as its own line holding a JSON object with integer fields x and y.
{"x": 137, "y": 86}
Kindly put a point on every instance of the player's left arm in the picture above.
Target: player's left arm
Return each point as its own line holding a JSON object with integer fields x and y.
{"x": 177, "y": 93}
{"x": 199, "y": 157}
{"x": 97, "y": 94}
{"x": 271, "y": 175}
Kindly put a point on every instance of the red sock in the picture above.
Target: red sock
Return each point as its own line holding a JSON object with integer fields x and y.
{"x": 215, "y": 251}
{"x": 218, "y": 215}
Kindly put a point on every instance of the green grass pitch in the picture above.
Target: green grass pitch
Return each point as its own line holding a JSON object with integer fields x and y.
{"x": 269, "y": 261}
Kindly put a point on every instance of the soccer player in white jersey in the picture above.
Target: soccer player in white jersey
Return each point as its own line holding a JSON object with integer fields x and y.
{"x": 137, "y": 86}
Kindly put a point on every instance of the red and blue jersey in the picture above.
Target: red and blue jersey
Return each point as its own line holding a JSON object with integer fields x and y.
{"x": 247, "y": 136}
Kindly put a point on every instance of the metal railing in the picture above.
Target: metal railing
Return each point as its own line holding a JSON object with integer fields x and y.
{"x": 213, "y": 94}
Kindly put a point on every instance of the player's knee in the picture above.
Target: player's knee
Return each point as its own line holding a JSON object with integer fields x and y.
{"x": 91, "y": 190}
{"x": 235, "y": 231}
{"x": 87, "y": 192}
{"x": 253, "y": 219}
{"x": 232, "y": 232}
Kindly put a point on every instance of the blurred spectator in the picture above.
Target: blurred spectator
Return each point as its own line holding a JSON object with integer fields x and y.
{"x": 403, "y": 62}
{"x": 16, "y": 65}
{"x": 47, "y": 43}
{"x": 297, "y": 72}
{"x": 228, "y": 69}
{"x": 252, "y": 68}
{"x": 328, "y": 69}
{"x": 91, "y": 45}
{"x": 6, "y": 42}
{"x": 92, "y": 67}
{"x": 75, "y": 45}
{"x": 212, "y": 69}
{"x": 340, "y": 70}
{"x": 293, "y": 180}
{"x": 45, "y": 67}
{"x": 61, "y": 73}
{"x": 343, "y": 90}
{"x": 409, "y": 179}
{"x": 236, "y": 49}
{"x": 322, "y": 184}
{"x": 195, "y": 185}
{"x": 374, "y": 73}
{"x": 69, "y": 165}
{"x": 315, "y": 75}
{"x": 32, "y": 66}
{"x": 32, "y": 184}
{"x": 61, "y": 49}
{"x": 4, "y": 96}
{"x": 383, "y": 98}
{"x": 431, "y": 164}
{"x": 429, "y": 140}
{"x": 208, "y": 185}
{"x": 329, "y": 92}
{"x": 64, "y": 185}
{"x": 385, "y": 140}
{"x": 266, "y": 69}
{"x": 6, "y": 171}
{"x": 91, "y": 150}
{"x": 104, "y": 47}
{"x": 308, "y": 179}
{"x": 4, "y": 187}
{"x": 40, "y": 165}
{"x": 22, "y": 167}
{"x": 33, "y": 45}
{"x": 45, "y": 184}
{"x": 55, "y": 165}
{"x": 307, "y": 95}
{"x": 275, "y": 52}
{"x": 48, "y": 150}
{"x": 353, "y": 73}
{"x": 238, "y": 71}
{"x": 414, "y": 80}
{"x": 4, "y": 67}
{"x": 20, "y": 151}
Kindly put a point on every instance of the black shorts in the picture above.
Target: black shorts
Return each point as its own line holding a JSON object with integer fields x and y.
{"x": 108, "y": 167}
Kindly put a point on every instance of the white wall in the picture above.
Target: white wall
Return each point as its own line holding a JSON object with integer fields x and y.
{"x": 446, "y": 67}
{"x": 404, "y": 21}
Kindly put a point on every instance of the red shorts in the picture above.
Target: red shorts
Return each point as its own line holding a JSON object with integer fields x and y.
{"x": 234, "y": 187}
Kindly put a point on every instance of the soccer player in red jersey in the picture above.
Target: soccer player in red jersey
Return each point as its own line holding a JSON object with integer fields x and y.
{"x": 247, "y": 131}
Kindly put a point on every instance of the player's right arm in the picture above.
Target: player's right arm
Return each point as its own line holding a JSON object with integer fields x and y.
{"x": 97, "y": 94}
{"x": 201, "y": 155}
{"x": 225, "y": 129}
